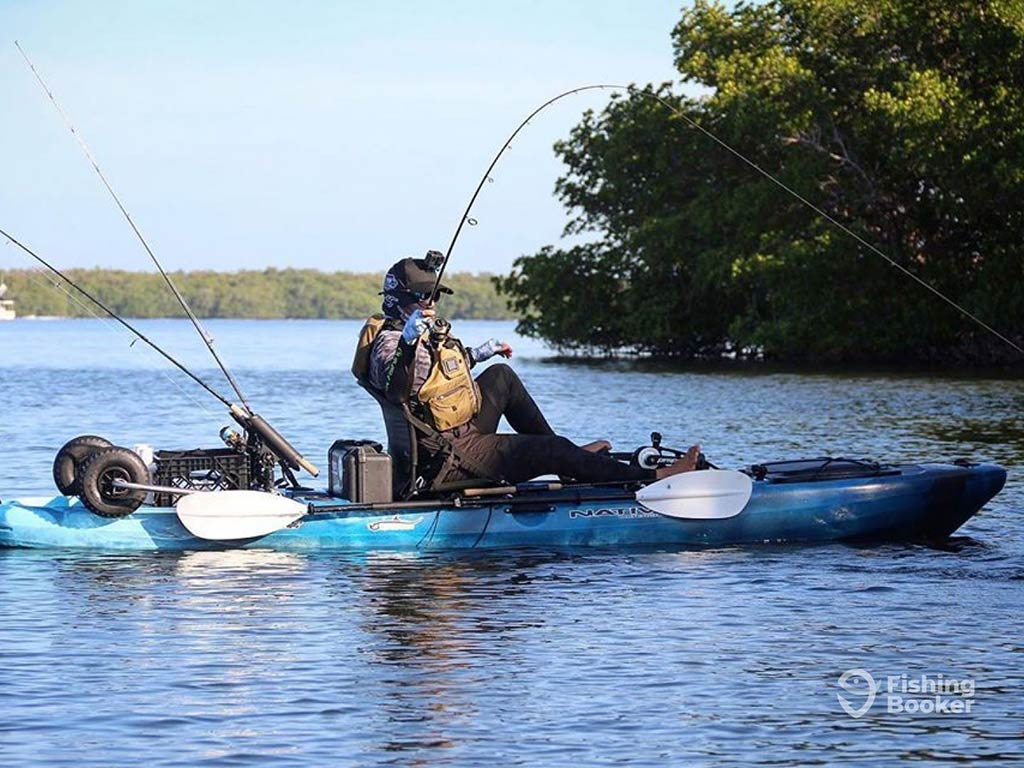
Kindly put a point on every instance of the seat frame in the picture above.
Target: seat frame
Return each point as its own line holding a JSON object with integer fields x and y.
{"x": 404, "y": 431}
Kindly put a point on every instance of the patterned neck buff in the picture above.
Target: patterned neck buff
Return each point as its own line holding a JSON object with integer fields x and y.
{"x": 395, "y": 296}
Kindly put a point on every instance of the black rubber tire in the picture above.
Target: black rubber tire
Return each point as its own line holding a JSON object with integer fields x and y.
{"x": 97, "y": 475}
{"x": 68, "y": 464}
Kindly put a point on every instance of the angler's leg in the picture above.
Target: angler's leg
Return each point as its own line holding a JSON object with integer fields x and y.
{"x": 517, "y": 458}
{"x": 505, "y": 395}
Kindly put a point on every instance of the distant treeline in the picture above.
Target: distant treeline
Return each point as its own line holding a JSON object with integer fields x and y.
{"x": 270, "y": 293}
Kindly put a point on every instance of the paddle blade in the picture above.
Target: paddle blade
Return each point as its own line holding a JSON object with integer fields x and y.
{"x": 712, "y": 494}
{"x": 230, "y": 515}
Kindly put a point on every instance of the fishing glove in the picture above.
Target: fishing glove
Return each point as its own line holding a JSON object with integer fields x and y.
{"x": 489, "y": 349}
{"x": 415, "y": 327}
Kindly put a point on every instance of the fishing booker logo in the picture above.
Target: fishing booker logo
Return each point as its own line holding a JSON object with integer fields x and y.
{"x": 924, "y": 694}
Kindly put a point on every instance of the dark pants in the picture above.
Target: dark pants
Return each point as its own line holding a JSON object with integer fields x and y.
{"x": 536, "y": 449}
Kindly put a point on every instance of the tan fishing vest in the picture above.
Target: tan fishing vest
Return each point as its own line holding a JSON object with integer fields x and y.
{"x": 449, "y": 396}
{"x": 361, "y": 360}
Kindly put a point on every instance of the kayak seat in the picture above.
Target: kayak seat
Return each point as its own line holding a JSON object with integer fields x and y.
{"x": 409, "y": 475}
{"x": 401, "y": 443}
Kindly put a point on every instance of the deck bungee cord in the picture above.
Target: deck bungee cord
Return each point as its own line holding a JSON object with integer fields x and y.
{"x": 467, "y": 219}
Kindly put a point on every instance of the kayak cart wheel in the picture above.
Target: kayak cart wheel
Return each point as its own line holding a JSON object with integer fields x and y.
{"x": 68, "y": 465}
{"x": 97, "y": 482}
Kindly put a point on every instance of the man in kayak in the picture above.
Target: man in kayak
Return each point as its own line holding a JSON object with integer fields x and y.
{"x": 415, "y": 358}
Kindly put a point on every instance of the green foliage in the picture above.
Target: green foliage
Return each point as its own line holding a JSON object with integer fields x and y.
{"x": 903, "y": 120}
{"x": 271, "y": 293}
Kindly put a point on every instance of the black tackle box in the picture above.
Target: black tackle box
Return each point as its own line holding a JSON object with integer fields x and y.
{"x": 360, "y": 471}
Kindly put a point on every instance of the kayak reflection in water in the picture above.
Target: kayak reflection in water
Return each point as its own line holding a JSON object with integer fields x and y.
{"x": 415, "y": 358}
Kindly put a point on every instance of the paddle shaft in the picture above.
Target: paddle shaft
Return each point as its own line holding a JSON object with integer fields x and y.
{"x": 473, "y": 503}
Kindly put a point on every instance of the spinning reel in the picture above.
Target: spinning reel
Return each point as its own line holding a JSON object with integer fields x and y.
{"x": 656, "y": 455}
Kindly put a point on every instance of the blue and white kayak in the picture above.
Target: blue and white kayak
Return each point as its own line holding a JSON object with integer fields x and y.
{"x": 789, "y": 503}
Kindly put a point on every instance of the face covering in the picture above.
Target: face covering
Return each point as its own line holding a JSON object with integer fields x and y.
{"x": 395, "y": 297}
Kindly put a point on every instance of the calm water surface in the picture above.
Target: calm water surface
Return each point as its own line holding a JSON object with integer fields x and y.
{"x": 716, "y": 657}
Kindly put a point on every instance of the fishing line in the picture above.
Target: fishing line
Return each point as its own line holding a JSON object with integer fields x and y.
{"x": 693, "y": 124}
{"x": 181, "y": 300}
{"x": 839, "y": 225}
{"x": 39, "y": 277}
{"x": 115, "y": 316}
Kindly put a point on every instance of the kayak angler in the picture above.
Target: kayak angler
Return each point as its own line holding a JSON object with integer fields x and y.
{"x": 245, "y": 503}
{"x": 409, "y": 355}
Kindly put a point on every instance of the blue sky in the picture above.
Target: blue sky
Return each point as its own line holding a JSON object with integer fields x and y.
{"x": 333, "y": 135}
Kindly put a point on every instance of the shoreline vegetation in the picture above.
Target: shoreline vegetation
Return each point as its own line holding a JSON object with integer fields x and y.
{"x": 308, "y": 294}
{"x": 268, "y": 294}
{"x": 903, "y": 121}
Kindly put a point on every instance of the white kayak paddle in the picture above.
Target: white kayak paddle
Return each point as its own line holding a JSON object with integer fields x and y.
{"x": 231, "y": 515}
{"x": 707, "y": 494}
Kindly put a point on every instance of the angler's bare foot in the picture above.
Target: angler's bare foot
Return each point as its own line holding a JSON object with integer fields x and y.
{"x": 598, "y": 446}
{"x": 687, "y": 463}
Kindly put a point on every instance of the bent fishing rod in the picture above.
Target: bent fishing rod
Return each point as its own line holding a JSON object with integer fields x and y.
{"x": 207, "y": 339}
{"x": 697, "y": 126}
{"x": 245, "y": 416}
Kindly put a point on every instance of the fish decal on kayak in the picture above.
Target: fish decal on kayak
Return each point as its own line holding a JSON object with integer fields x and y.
{"x": 396, "y": 523}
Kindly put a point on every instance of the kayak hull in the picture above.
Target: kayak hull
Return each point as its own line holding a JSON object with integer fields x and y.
{"x": 927, "y": 501}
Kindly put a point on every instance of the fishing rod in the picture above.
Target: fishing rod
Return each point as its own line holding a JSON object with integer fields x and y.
{"x": 487, "y": 174}
{"x": 697, "y": 126}
{"x": 207, "y": 339}
{"x": 116, "y": 317}
{"x": 289, "y": 457}
{"x": 248, "y": 419}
